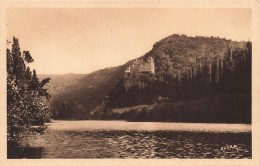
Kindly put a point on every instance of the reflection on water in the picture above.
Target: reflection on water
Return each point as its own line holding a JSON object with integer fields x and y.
{"x": 139, "y": 144}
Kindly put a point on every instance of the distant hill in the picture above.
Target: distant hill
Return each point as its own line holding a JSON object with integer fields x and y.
{"x": 74, "y": 95}
{"x": 58, "y": 83}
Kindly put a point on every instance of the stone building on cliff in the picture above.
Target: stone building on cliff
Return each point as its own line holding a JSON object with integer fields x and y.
{"x": 137, "y": 68}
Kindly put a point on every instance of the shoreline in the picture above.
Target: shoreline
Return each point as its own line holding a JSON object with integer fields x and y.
{"x": 91, "y": 125}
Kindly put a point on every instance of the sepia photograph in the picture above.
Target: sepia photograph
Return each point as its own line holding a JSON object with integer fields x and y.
{"x": 128, "y": 83}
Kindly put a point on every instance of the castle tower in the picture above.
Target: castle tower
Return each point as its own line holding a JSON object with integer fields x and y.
{"x": 150, "y": 60}
{"x": 127, "y": 72}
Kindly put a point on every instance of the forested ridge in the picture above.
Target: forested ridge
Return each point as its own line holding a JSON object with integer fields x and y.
{"x": 190, "y": 76}
{"x": 187, "y": 69}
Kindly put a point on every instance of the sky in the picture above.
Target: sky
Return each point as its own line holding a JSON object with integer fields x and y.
{"x": 82, "y": 40}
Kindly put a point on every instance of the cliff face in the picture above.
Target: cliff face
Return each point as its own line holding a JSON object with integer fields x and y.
{"x": 173, "y": 56}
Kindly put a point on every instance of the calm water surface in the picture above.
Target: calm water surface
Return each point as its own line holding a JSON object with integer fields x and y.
{"x": 119, "y": 139}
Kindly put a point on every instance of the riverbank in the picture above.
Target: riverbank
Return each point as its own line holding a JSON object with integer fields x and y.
{"x": 147, "y": 126}
{"x": 221, "y": 108}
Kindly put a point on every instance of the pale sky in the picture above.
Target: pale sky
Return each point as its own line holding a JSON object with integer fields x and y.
{"x": 84, "y": 40}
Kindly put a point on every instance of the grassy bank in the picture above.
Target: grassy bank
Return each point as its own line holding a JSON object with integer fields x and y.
{"x": 221, "y": 108}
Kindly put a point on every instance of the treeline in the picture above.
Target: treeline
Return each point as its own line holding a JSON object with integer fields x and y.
{"x": 26, "y": 96}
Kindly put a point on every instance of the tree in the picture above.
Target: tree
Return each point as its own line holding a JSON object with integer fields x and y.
{"x": 198, "y": 81}
{"x": 215, "y": 73}
{"x": 209, "y": 77}
{"x": 26, "y": 105}
{"x": 220, "y": 67}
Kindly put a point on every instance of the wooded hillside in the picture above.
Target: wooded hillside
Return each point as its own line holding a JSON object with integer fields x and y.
{"x": 187, "y": 68}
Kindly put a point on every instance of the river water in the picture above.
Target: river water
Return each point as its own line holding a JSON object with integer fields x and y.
{"x": 120, "y": 139}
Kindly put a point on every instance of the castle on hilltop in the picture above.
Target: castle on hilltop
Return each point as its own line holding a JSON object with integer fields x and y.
{"x": 136, "y": 68}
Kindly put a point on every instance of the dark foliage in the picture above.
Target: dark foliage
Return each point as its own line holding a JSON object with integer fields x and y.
{"x": 26, "y": 96}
